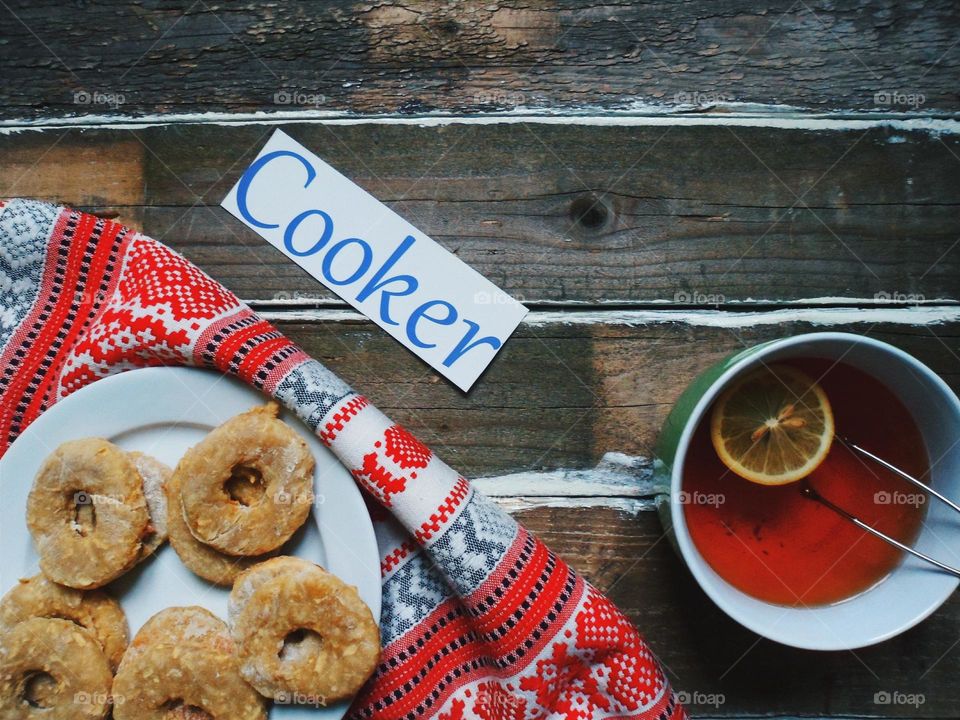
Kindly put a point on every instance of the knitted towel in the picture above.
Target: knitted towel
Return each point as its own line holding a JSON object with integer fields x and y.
{"x": 480, "y": 619}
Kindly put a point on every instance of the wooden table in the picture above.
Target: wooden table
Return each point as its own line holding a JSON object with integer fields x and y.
{"x": 661, "y": 183}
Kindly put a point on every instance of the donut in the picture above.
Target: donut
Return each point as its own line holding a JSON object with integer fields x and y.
{"x": 181, "y": 665}
{"x": 301, "y": 632}
{"x": 203, "y": 560}
{"x": 94, "y": 610}
{"x": 52, "y": 669}
{"x": 154, "y": 474}
{"x": 248, "y": 485}
{"x": 87, "y": 513}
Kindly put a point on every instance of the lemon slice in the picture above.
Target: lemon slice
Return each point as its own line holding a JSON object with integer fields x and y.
{"x": 774, "y": 426}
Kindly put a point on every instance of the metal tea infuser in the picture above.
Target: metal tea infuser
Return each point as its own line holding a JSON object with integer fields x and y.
{"x": 809, "y": 492}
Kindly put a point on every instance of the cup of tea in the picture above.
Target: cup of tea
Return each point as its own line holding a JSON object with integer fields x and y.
{"x": 756, "y": 439}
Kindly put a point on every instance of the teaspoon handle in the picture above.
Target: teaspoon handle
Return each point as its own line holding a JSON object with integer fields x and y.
{"x": 814, "y": 495}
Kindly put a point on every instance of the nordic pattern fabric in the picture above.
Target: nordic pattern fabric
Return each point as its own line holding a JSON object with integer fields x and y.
{"x": 480, "y": 619}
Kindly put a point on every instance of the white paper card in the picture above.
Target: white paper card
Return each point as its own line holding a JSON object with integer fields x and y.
{"x": 440, "y": 308}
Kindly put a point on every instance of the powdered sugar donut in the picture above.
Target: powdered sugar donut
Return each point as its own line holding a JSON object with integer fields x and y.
{"x": 181, "y": 665}
{"x": 248, "y": 485}
{"x": 301, "y": 632}
{"x": 87, "y": 513}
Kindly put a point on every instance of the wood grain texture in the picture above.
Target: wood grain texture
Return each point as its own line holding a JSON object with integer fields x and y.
{"x": 692, "y": 216}
{"x": 468, "y": 55}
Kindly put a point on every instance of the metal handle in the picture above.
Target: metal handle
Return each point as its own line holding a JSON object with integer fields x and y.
{"x": 909, "y": 478}
{"x": 809, "y": 492}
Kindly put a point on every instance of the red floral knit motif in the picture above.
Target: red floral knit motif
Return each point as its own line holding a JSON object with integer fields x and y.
{"x": 405, "y": 450}
{"x": 378, "y": 480}
{"x": 564, "y": 684}
{"x": 631, "y": 676}
{"x": 164, "y": 278}
{"x": 150, "y": 318}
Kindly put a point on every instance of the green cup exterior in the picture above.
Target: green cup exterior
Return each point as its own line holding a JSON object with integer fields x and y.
{"x": 668, "y": 443}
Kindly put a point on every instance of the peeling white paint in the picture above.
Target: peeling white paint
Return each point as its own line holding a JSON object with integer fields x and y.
{"x": 639, "y": 114}
{"x": 619, "y": 482}
{"x": 631, "y": 506}
{"x": 830, "y": 300}
{"x": 923, "y": 315}
{"x": 919, "y": 315}
{"x": 616, "y": 475}
{"x": 299, "y": 299}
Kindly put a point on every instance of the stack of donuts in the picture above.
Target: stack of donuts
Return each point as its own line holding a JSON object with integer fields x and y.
{"x": 295, "y": 633}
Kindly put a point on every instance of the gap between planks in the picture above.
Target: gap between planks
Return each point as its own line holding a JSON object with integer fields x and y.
{"x": 918, "y": 315}
{"x": 733, "y": 114}
{"x": 297, "y": 300}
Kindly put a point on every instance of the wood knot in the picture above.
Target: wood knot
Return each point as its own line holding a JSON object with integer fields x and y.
{"x": 590, "y": 213}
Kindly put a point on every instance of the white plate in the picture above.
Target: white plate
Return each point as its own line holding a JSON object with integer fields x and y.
{"x": 162, "y": 412}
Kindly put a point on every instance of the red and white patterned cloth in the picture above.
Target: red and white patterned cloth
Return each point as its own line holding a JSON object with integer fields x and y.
{"x": 480, "y": 619}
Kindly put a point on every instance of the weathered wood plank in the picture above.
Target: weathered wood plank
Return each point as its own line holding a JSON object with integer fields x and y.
{"x": 421, "y": 55}
{"x": 570, "y": 214}
{"x": 562, "y": 395}
{"x": 707, "y": 654}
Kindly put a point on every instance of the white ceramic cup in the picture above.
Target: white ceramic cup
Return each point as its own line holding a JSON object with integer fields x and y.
{"x": 914, "y": 589}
